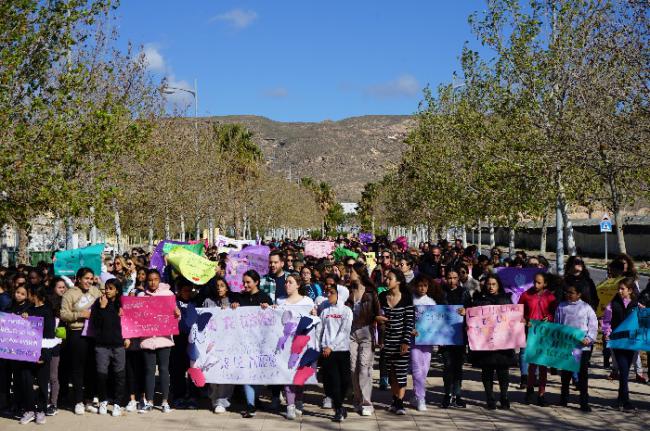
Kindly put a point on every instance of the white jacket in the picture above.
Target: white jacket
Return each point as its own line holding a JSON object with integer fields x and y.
{"x": 335, "y": 327}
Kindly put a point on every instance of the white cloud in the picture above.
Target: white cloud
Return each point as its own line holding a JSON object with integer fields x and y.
{"x": 237, "y": 18}
{"x": 405, "y": 85}
{"x": 276, "y": 93}
{"x": 154, "y": 59}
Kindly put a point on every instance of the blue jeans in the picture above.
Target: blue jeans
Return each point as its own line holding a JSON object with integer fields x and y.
{"x": 624, "y": 359}
{"x": 251, "y": 394}
{"x": 523, "y": 365}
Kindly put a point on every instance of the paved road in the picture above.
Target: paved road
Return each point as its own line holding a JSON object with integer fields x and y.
{"x": 475, "y": 417}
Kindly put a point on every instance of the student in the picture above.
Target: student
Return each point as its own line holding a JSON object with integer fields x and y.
{"x": 294, "y": 392}
{"x": 55, "y": 297}
{"x": 156, "y": 350}
{"x": 498, "y": 360}
{"x": 336, "y": 324}
{"x": 454, "y": 356}
{"x": 310, "y": 286}
{"x": 615, "y": 313}
{"x": 420, "y": 355}
{"x": 252, "y": 296}
{"x": 110, "y": 346}
{"x": 35, "y": 400}
{"x": 75, "y": 311}
{"x": 539, "y": 304}
{"x": 364, "y": 303}
{"x": 397, "y": 305}
{"x": 578, "y": 314}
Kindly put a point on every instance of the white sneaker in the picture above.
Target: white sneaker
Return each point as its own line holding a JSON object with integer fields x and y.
{"x": 400, "y": 412}
{"x": 103, "y": 408}
{"x": 117, "y": 411}
{"x": 300, "y": 406}
{"x": 422, "y": 406}
{"x": 132, "y": 406}
{"x": 366, "y": 410}
{"x": 219, "y": 409}
{"x": 327, "y": 403}
{"x": 91, "y": 408}
{"x": 79, "y": 409}
{"x": 165, "y": 408}
{"x": 291, "y": 412}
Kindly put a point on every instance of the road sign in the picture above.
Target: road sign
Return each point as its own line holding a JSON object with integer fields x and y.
{"x": 605, "y": 226}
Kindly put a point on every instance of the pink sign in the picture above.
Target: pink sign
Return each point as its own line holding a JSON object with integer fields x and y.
{"x": 496, "y": 327}
{"x": 148, "y": 316}
{"x": 318, "y": 249}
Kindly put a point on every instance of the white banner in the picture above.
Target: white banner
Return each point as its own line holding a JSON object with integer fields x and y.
{"x": 249, "y": 345}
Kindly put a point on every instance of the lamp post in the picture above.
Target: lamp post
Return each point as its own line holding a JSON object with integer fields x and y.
{"x": 195, "y": 95}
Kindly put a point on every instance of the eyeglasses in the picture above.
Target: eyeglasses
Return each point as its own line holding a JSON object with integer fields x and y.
{"x": 386, "y": 257}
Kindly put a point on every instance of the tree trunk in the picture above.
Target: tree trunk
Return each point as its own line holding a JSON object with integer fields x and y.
{"x": 4, "y": 252}
{"x": 198, "y": 229}
{"x": 559, "y": 232}
{"x": 118, "y": 229}
{"x": 182, "y": 228}
{"x": 568, "y": 226}
{"x": 464, "y": 236}
{"x": 167, "y": 228}
{"x": 492, "y": 240}
{"x": 511, "y": 242}
{"x": 618, "y": 224}
{"x": 479, "y": 235}
{"x": 542, "y": 243}
{"x": 69, "y": 233}
{"x": 93, "y": 227}
{"x": 150, "y": 234}
{"x": 211, "y": 230}
{"x": 23, "y": 243}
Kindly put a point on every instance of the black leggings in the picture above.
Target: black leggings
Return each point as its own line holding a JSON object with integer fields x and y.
{"x": 134, "y": 373}
{"x": 161, "y": 357}
{"x": 583, "y": 379}
{"x": 453, "y": 358}
{"x": 336, "y": 377}
{"x": 82, "y": 364}
{"x": 487, "y": 375}
{"x": 30, "y": 373}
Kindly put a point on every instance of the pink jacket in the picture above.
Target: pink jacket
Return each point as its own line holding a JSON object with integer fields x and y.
{"x": 153, "y": 343}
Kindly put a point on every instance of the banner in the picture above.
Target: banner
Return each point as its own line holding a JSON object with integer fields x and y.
{"x": 365, "y": 237}
{"x": 438, "y": 325}
{"x": 341, "y": 253}
{"x": 496, "y": 327}
{"x": 196, "y": 269}
{"x": 249, "y": 345}
{"x": 606, "y": 292}
{"x": 20, "y": 339}
{"x": 371, "y": 261}
{"x": 554, "y": 345}
{"x": 68, "y": 262}
{"x": 318, "y": 249}
{"x": 148, "y": 316}
{"x": 517, "y": 280}
{"x": 165, "y": 246}
{"x": 632, "y": 333}
{"x": 224, "y": 241}
{"x": 252, "y": 257}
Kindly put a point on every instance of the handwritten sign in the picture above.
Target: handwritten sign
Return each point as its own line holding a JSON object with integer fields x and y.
{"x": 148, "y": 316}
{"x": 633, "y": 333}
{"x": 371, "y": 261}
{"x": 250, "y": 345}
{"x": 20, "y": 339}
{"x": 438, "y": 325}
{"x": 225, "y": 242}
{"x": 554, "y": 345}
{"x": 252, "y": 257}
{"x": 196, "y": 269}
{"x": 165, "y": 246}
{"x": 517, "y": 280}
{"x": 318, "y": 249}
{"x": 606, "y": 292}
{"x": 496, "y": 327}
{"x": 68, "y": 262}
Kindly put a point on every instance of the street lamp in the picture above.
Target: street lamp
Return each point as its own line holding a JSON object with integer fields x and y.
{"x": 195, "y": 94}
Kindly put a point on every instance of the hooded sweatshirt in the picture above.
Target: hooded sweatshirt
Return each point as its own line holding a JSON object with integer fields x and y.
{"x": 74, "y": 302}
{"x": 336, "y": 324}
{"x": 579, "y": 315}
{"x": 153, "y": 343}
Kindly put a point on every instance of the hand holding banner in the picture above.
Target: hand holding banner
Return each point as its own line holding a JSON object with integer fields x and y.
{"x": 148, "y": 316}
{"x": 496, "y": 327}
{"x": 196, "y": 269}
{"x": 554, "y": 345}
{"x": 68, "y": 262}
{"x": 438, "y": 325}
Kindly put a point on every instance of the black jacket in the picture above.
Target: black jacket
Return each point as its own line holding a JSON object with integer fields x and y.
{"x": 246, "y": 300}
{"x": 458, "y": 296}
{"x": 585, "y": 286}
{"x": 44, "y": 311}
{"x": 620, "y": 312}
{"x": 107, "y": 324}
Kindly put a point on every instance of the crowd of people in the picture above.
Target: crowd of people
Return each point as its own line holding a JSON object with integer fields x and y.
{"x": 367, "y": 318}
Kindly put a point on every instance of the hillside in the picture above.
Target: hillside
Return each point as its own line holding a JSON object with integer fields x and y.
{"x": 346, "y": 153}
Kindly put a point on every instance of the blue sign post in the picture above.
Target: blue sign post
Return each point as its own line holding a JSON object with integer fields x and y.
{"x": 605, "y": 227}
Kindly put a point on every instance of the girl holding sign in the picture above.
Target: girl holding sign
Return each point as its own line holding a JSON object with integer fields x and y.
{"x": 497, "y": 360}
{"x": 615, "y": 313}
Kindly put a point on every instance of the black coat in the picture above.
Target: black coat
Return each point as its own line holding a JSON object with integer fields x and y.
{"x": 107, "y": 324}
{"x": 493, "y": 358}
{"x": 620, "y": 312}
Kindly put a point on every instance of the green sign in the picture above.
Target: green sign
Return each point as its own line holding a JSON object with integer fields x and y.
{"x": 554, "y": 345}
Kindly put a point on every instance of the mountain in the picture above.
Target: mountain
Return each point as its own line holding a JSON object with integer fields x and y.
{"x": 346, "y": 153}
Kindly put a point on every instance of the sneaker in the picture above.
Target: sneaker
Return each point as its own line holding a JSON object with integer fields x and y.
{"x": 613, "y": 375}
{"x": 523, "y": 384}
{"x": 327, "y": 403}
{"x": 145, "y": 408}
{"x": 400, "y": 411}
{"x": 51, "y": 410}
{"x": 491, "y": 404}
{"x": 27, "y": 418}
{"x": 338, "y": 416}
{"x": 91, "y": 408}
{"x": 628, "y": 407}
{"x": 275, "y": 403}
{"x": 564, "y": 401}
{"x": 422, "y": 406}
{"x": 530, "y": 393}
{"x": 505, "y": 404}
{"x": 79, "y": 409}
{"x": 300, "y": 407}
{"x": 179, "y": 404}
{"x": 585, "y": 408}
{"x": 249, "y": 412}
{"x": 460, "y": 403}
{"x": 446, "y": 402}
{"x": 641, "y": 379}
{"x": 541, "y": 401}
{"x": 132, "y": 406}
{"x": 40, "y": 418}
{"x": 103, "y": 408}
{"x": 165, "y": 408}
{"x": 117, "y": 411}
{"x": 291, "y": 412}
{"x": 219, "y": 409}
{"x": 190, "y": 404}
{"x": 366, "y": 410}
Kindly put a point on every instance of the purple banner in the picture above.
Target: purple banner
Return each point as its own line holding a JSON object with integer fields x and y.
{"x": 365, "y": 237}
{"x": 20, "y": 339}
{"x": 252, "y": 257}
{"x": 517, "y": 280}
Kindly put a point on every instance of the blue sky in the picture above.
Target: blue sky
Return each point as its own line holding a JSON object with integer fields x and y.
{"x": 301, "y": 60}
